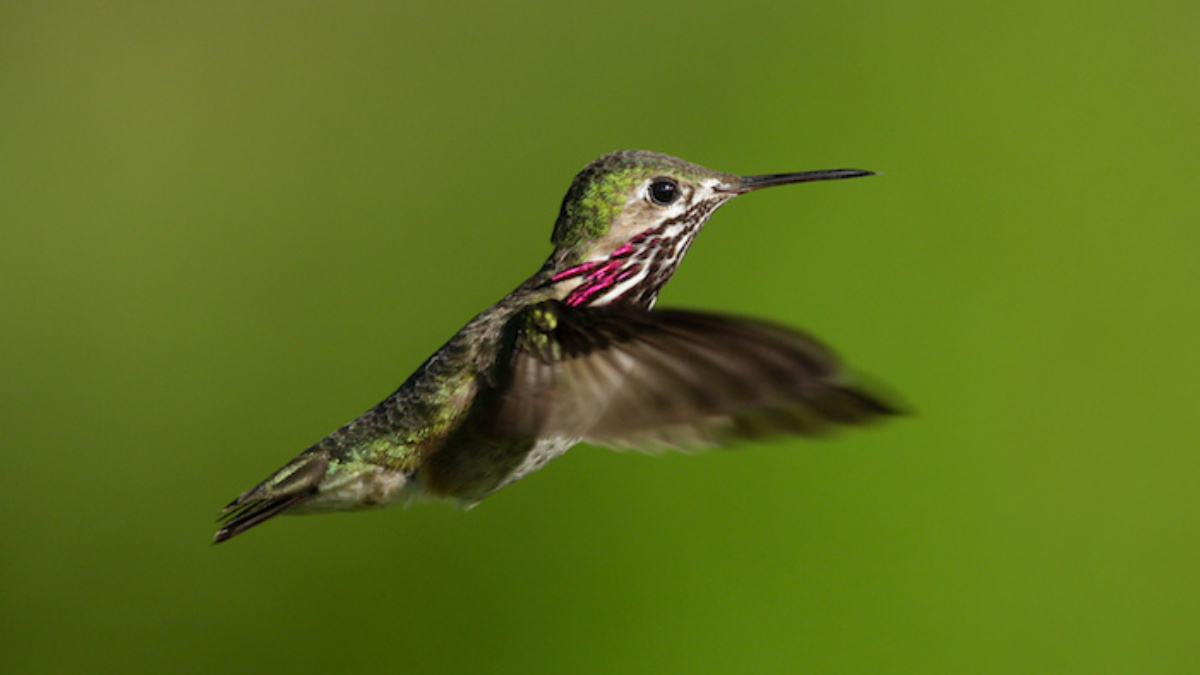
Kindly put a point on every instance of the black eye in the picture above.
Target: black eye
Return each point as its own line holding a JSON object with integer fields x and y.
{"x": 663, "y": 191}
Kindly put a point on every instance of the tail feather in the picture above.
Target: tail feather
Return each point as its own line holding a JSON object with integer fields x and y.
{"x": 289, "y": 486}
{"x": 237, "y": 518}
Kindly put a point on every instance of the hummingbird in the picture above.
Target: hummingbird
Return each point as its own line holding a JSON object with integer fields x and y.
{"x": 577, "y": 353}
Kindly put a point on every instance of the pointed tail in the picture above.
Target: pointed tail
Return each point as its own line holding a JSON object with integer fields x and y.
{"x": 289, "y": 486}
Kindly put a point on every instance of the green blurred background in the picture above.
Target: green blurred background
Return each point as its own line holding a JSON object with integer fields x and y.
{"x": 228, "y": 228}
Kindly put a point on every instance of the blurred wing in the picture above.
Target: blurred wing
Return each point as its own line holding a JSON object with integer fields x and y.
{"x": 625, "y": 376}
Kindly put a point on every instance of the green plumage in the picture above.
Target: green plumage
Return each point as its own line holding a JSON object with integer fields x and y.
{"x": 575, "y": 353}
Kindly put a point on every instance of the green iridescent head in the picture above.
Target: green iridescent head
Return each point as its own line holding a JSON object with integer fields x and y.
{"x": 603, "y": 190}
{"x": 623, "y": 195}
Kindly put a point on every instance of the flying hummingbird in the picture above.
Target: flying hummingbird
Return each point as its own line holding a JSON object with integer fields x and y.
{"x": 578, "y": 354}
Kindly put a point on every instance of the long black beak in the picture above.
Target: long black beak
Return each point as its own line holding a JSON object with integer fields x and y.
{"x": 750, "y": 183}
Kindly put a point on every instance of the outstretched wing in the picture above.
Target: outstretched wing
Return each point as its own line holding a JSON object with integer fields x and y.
{"x": 625, "y": 376}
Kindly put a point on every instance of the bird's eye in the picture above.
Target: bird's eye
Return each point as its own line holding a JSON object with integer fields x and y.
{"x": 664, "y": 191}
